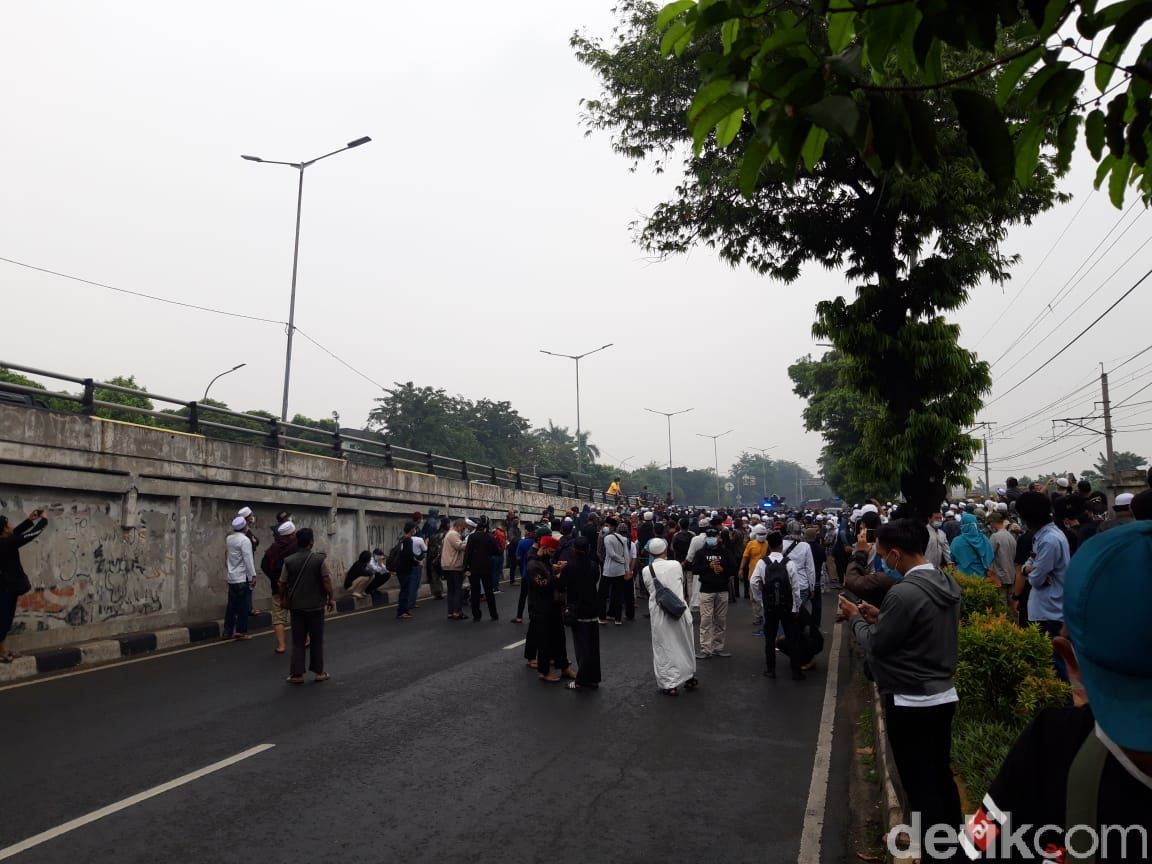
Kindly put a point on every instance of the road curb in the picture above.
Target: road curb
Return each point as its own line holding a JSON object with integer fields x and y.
{"x": 102, "y": 652}
{"x": 891, "y": 799}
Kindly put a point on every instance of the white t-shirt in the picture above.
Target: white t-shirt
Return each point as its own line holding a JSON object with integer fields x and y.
{"x": 419, "y": 549}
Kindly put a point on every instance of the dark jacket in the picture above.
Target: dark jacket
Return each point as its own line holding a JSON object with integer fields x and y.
{"x": 305, "y": 580}
{"x": 542, "y": 586}
{"x": 865, "y": 582}
{"x": 578, "y": 581}
{"x": 273, "y": 559}
{"x": 681, "y": 540}
{"x": 11, "y": 570}
{"x": 479, "y": 551}
{"x": 711, "y": 582}
{"x": 911, "y": 648}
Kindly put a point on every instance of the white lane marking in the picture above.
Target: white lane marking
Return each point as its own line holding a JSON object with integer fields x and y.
{"x": 515, "y": 645}
{"x": 818, "y": 789}
{"x": 160, "y": 655}
{"x": 52, "y": 833}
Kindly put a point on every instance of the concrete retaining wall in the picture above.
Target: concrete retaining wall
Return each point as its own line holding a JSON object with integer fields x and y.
{"x": 138, "y": 517}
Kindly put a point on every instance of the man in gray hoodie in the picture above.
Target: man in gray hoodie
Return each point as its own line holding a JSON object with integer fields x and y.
{"x": 910, "y": 643}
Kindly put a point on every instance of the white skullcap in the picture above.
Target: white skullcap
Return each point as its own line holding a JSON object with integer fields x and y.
{"x": 648, "y": 515}
{"x": 1124, "y": 499}
{"x": 286, "y": 529}
{"x": 868, "y": 508}
{"x": 244, "y": 512}
{"x": 239, "y": 523}
{"x": 657, "y": 546}
{"x": 469, "y": 523}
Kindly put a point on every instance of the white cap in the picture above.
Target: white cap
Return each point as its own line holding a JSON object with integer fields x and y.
{"x": 704, "y": 522}
{"x": 239, "y": 523}
{"x": 1124, "y": 499}
{"x": 286, "y": 529}
{"x": 867, "y": 508}
{"x": 759, "y": 531}
{"x": 1001, "y": 507}
{"x": 1062, "y": 482}
{"x": 244, "y": 512}
{"x": 958, "y": 516}
{"x": 648, "y": 515}
{"x": 469, "y": 523}
{"x": 657, "y": 546}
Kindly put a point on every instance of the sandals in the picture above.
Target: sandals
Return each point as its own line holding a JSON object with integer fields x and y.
{"x": 293, "y": 679}
{"x": 321, "y": 678}
{"x": 279, "y": 650}
{"x": 692, "y": 683}
{"x": 517, "y": 620}
{"x": 671, "y": 691}
{"x": 551, "y": 679}
{"x": 569, "y": 674}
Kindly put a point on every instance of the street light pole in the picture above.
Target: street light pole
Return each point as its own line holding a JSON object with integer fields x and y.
{"x": 715, "y": 459}
{"x": 577, "y": 358}
{"x": 218, "y": 377}
{"x": 299, "y": 166}
{"x": 762, "y": 451}
{"x": 669, "y": 415}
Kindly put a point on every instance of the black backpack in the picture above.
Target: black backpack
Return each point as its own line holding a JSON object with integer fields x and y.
{"x": 396, "y": 556}
{"x": 777, "y": 586}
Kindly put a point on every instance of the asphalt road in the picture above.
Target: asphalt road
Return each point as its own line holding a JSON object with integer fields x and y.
{"x": 431, "y": 743}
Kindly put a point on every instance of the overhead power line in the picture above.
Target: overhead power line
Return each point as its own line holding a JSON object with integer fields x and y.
{"x": 197, "y": 307}
{"x": 1071, "y": 342}
{"x": 141, "y": 294}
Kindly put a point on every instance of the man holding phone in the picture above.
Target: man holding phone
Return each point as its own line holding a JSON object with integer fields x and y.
{"x": 911, "y": 643}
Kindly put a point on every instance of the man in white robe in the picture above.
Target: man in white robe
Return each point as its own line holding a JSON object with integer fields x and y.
{"x": 673, "y": 648}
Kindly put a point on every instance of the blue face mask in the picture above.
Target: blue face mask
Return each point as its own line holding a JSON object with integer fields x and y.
{"x": 711, "y": 541}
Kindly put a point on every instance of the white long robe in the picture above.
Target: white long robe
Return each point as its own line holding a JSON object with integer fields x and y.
{"x": 673, "y": 649}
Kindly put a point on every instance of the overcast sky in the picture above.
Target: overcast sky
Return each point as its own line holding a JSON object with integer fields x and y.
{"x": 479, "y": 226}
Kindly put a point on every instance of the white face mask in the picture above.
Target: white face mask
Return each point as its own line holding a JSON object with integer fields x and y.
{"x": 711, "y": 541}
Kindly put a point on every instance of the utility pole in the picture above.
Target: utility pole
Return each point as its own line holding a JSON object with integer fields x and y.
{"x": 987, "y": 426}
{"x": 763, "y": 451}
{"x": 1107, "y": 406}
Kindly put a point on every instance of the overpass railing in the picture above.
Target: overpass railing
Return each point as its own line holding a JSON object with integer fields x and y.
{"x": 265, "y": 430}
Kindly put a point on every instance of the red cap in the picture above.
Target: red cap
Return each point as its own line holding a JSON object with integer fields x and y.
{"x": 549, "y": 543}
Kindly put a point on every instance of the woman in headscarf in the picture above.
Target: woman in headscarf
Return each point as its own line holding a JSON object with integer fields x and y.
{"x": 971, "y": 550}
{"x": 578, "y": 581}
{"x": 673, "y": 653}
{"x": 546, "y": 613}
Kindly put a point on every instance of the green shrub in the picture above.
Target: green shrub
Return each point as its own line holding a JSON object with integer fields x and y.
{"x": 1041, "y": 691}
{"x": 979, "y": 747}
{"x": 978, "y": 596}
{"x": 1004, "y": 672}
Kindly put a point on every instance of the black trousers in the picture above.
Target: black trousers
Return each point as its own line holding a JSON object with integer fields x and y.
{"x": 524, "y": 590}
{"x": 621, "y": 593}
{"x": 8, "y": 600}
{"x": 551, "y": 643}
{"x": 307, "y": 624}
{"x": 921, "y": 740}
{"x": 586, "y": 647}
{"x": 774, "y": 618}
{"x": 455, "y": 580}
{"x": 476, "y": 583}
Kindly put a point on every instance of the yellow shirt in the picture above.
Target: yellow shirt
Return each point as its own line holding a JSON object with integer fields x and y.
{"x": 753, "y": 552}
{"x": 614, "y": 488}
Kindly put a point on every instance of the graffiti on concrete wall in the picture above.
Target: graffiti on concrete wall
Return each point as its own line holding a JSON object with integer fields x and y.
{"x": 86, "y": 568}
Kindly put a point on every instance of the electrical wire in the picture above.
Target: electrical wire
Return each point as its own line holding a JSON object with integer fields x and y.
{"x": 1072, "y": 342}
{"x": 1019, "y": 293}
{"x": 141, "y": 294}
{"x": 341, "y": 360}
{"x": 1072, "y": 281}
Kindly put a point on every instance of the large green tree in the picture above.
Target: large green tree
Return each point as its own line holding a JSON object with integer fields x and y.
{"x": 913, "y": 239}
{"x": 870, "y": 76}
{"x": 841, "y": 413}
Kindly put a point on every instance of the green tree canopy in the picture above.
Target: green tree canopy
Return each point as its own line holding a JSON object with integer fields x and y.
{"x": 913, "y": 239}
{"x": 1122, "y": 460}
{"x": 136, "y": 399}
{"x": 870, "y": 76}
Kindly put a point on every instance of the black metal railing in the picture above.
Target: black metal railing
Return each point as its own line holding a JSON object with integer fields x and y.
{"x": 256, "y": 429}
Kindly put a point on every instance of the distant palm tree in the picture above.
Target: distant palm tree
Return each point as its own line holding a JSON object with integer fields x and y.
{"x": 587, "y": 451}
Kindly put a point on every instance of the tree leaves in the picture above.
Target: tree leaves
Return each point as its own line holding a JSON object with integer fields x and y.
{"x": 987, "y": 134}
{"x": 841, "y": 31}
